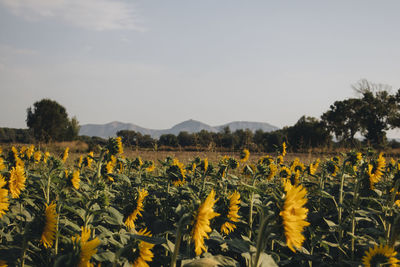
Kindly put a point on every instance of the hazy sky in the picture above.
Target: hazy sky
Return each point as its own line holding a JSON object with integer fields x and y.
{"x": 157, "y": 63}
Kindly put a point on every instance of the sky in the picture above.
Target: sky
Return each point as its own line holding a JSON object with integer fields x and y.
{"x": 156, "y": 63}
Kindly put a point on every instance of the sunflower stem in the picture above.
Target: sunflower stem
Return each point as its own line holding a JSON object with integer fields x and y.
{"x": 340, "y": 208}
{"x": 204, "y": 183}
{"x": 260, "y": 240}
{"x": 391, "y": 203}
{"x": 251, "y": 209}
{"x": 48, "y": 189}
{"x": 24, "y": 246}
{"x": 178, "y": 240}
{"x": 353, "y": 216}
{"x": 57, "y": 233}
{"x": 100, "y": 164}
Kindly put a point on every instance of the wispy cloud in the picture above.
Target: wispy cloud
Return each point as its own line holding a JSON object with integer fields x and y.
{"x": 99, "y": 15}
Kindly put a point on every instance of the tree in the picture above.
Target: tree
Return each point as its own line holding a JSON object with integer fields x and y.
{"x": 205, "y": 138}
{"x": 379, "y": 112}
{"x": 49, "y": 122}
{"x": 372, "y": 114}
{"x": 129, "y": 138}
{"x": 306, "y": 133}
{"x": 73, "y": 129}
{"x": 186, "y": 139}
{"x": 168, "y": 140}
{"x": 242, "y": 138}
{"x": 343, "y": 119}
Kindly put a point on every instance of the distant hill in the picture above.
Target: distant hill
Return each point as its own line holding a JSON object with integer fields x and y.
{"x": 190, "y": 126}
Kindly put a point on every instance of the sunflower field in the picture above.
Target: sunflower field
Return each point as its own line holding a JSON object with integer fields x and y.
{"x": 105, "y": 209}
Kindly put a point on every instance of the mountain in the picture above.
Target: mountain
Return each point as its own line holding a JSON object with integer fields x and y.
{"x": 111, "y": 129}
{"x": 190, "y": 126}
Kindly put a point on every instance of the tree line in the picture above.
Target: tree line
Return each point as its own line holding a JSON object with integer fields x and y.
{"x": 307, "y": 132}
{"x": 352, "y": 122}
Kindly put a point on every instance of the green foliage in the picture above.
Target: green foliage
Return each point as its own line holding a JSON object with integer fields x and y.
{"x": 346, "y": 217}
{"x": 49, "y": 122}
{"x": 11, "y": 135}
{"x": 307, "y": 132}
{"x": 372, "y": 114}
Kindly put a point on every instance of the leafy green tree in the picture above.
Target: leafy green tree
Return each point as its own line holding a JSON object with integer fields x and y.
{"x": 129, "y": 138}
{"x": 49, "y": 122}
{"x": 343, "y": 119}
{"x": 168, "y": 140}
{"x": 147, "y": 141}
{"x": 226, "y": 140}
{"x": 269, "y": 141}
{"x": 306, "y": 133}
{"x": 380, "y": 112}
{"x": 205, "y": 138}
{"x": 73, "y": 129}
{"x": 186, "y": 139}
{"x": 372, "y": 114}
{"x": 242, "y": 138}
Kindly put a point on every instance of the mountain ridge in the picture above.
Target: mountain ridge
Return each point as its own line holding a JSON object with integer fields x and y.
{"x": 191, "y": 126}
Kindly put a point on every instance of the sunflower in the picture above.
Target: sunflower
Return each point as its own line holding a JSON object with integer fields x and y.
{"x": 294, "y": 215}
{"x": 29, "y": 151}
{"x": 375, "y": 170}
{"x": 109, "y": 170}
{"x": 46, "y": 156}
{"x": 2, "y": 166}
{"x": 332, "y": 168}
{"x": 397, "y": 199}
{"x": 114, "y": 161}
{"x": 89, "y": 159}
{"x": 285, "y": 172}
{"x": 191, "y": 169}
{"x": 145, "y": 254}
{"x": 272, "y": 171}
{"x": 17, "y": 181}
{"x": 202, "y": 222}
{"x": 120, "y": 148}
{"x": 37, "y": 156}
{"x": 109, "y": 167}
{"x": 3, "y": 197}
{"x": 75, "y": 180}
{"x": 379, "y": 256}
{"x": 312, "y": 169}
{"x": 130, "y": 221}
{"x": 283, "y": 149}
{"x": 50, "y": 227}
{"x": 265, "y": 160}
{"x": 233, "y": 216}
{"x": 22, "y": 150}
{"x": 279, "y": 160}
{"x": 336, "y": 159}
{"x": 87, "y": 248}
{"x": 80, "y": 161}
{"x": 15, "y": 151}
{"x": 151, "y": 166}
{"x": 204, "y": 165}
{"x": 297, "y": 166}
{"x": 244, "y": 155}
{"x": 177, "y": 172}
{"x": 121, "y": 167}
{"x": 65, "y": 155}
